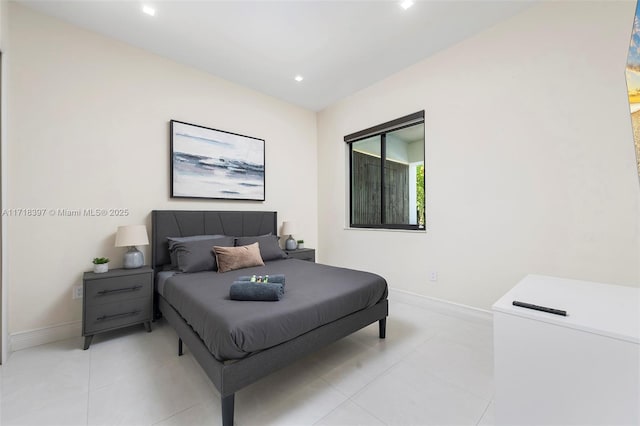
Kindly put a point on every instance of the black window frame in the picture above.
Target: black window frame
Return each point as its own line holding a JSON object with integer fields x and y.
{"x": 381, "y": 130}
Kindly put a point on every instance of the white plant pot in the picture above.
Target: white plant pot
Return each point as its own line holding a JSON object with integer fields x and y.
{"x": 100, "y": 268}
{"x": 300, "y": 245}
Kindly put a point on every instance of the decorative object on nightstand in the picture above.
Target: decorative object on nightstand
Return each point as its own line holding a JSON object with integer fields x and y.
{"x": 308, "y": 254}
{"x": 132, "y": 236}
{"x": 116, "y": 299}
{"x": 288, "y": 229}
{"x": 300, "y": 244}
{"x": 100, "y": 265}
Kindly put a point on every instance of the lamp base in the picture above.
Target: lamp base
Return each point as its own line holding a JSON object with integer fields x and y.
{"x": 133, "y": 258}
{"x": 291, "y": 244}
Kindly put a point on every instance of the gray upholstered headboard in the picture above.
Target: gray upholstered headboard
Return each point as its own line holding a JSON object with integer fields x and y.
{"x": 184, "y": 223}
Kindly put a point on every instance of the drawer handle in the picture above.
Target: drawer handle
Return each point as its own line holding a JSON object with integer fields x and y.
{"x": 114, "y": 316}
{"x": 119, "y": 290}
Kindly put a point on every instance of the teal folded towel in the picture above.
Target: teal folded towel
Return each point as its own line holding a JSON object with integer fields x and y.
{"x": 245, "y": 290}
{"x": 275, "y": 278}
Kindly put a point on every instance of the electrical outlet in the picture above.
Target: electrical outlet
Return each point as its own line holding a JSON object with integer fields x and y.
{"x": 77, "y": 292}
{"x": 433, "y": 276}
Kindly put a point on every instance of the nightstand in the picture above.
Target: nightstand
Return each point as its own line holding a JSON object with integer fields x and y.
{"x": 302, "y": 254}
{"x": 115, "y": 299}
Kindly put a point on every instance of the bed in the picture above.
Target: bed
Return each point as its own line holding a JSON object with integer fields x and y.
{"x": 238, "y": 343}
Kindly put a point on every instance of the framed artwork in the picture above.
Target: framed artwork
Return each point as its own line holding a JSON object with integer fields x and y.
{"x": 633, "y": 82}
{"x": 210, "y": 163}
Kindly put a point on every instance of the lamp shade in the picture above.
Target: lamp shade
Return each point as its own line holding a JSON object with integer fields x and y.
{"x": 288, "y": 228}
{"x": 132, "y": 235}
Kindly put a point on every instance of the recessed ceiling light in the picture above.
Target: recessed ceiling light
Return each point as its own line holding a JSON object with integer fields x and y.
{"x": 148, "y": 10}
{"x": 406, "y": 4}
{"x": 298, "y": 78}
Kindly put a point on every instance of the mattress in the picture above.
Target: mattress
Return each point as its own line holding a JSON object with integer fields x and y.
{"x": 161, "y": 278}
{"x": 315, "y": 295}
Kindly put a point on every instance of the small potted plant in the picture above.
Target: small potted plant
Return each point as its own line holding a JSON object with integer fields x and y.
{"x": 100, "y": 265}
{"x": 300, "y": 244}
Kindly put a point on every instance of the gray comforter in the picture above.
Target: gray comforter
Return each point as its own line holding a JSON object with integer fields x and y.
{"x": 315, "y": 295}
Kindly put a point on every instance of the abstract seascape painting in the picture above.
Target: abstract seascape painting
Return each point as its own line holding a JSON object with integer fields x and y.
{"x": 210, "y": 163}
{"x": 633, "y": 82}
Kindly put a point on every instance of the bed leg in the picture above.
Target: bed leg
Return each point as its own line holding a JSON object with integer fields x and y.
{"x": 227, "y": 409}
{"x": 382, "y": 326}
{"x": 179, "y": 346}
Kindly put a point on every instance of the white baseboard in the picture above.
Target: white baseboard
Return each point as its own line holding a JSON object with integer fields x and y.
{"x": 40, "y": 336}
{"x": 446, "y": 307}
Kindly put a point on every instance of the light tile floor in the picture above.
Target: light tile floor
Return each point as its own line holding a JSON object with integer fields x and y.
{"x": 432, "y": 369}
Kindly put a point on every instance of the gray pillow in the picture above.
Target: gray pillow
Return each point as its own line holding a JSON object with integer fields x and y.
{"x": 197, "y": 255}
{"x": 172, "y": 241}
{"x": 269, "y": 247}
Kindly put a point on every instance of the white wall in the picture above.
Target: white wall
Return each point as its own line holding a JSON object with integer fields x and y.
{"x": 89, "y": 128}
{"x": 529, "y": 159}
{"x": 3, "y": 120}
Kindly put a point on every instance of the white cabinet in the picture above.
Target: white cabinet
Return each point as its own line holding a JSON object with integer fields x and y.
{"x": 582, "y": 369}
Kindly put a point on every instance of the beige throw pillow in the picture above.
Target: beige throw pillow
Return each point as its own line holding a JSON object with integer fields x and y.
{"x": 232, "y": 258}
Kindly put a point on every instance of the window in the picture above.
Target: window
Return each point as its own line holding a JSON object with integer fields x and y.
{"x": 387, "y": 175}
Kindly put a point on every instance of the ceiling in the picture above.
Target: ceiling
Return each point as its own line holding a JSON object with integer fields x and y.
{"x": 339, "y": 47}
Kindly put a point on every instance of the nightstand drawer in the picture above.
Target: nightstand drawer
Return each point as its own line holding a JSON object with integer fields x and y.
{"x": 305, "y": 256}
{"x": 115, "y": 289}
{"x": 113, "y": 315}
{"x": 302, "y": 254}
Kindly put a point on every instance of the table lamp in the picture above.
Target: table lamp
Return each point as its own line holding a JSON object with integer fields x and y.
{"x": 132, "y": 236}
{"x": 288, "y": 228}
